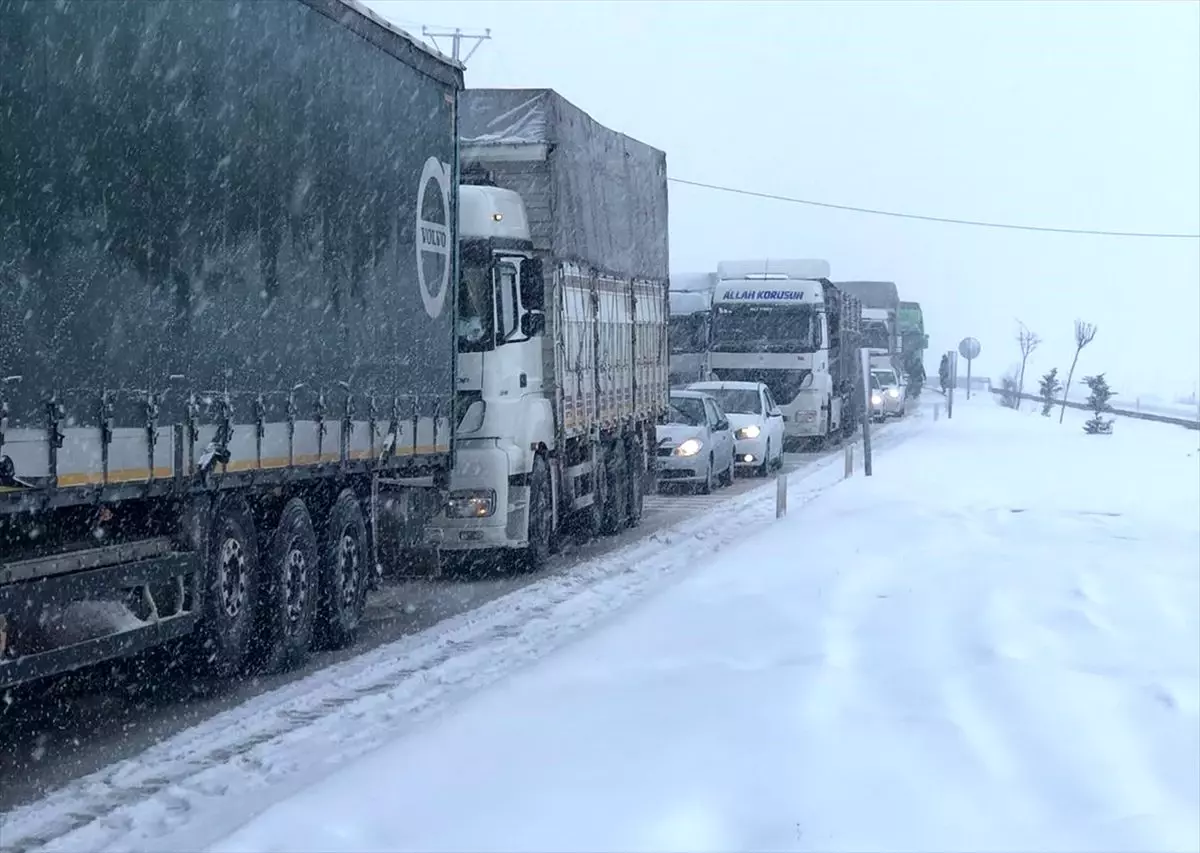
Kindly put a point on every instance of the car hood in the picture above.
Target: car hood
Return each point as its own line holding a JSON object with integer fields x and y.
{"x": 676, "y": 434}
{"x": 737, "y": 421}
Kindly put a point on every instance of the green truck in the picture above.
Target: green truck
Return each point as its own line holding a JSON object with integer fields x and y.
{"x": 910, "y": 327}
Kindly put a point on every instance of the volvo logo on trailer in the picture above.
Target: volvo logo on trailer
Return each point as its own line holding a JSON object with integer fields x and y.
{"x": 434, "y": 249}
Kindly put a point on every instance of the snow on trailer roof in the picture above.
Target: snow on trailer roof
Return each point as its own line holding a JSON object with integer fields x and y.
{"x": 494, "y": 116}
{"x": 872, "y": 294}
{"x": 809, "y": 269}
{"x": 693, "y": 281}
{"x": 350, "y": 13}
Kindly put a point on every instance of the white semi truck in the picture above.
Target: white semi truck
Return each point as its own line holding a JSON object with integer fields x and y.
{"x": 691, "y": 307}
{"x": 783, "y": 323}
{"x": 881, "y": 329}
{"x": 562, "y": 312}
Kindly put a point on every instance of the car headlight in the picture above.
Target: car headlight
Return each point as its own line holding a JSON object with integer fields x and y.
{"x": 471, "y": 503}
{"x": 893, "y": 393}
{"x": 689, "y": 448}
{"x": 751, "y": 431}
{"x": 876, "y": 400}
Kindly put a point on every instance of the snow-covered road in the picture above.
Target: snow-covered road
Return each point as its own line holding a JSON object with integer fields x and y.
{"x": 192, "y": 787}
{"x": 993, "y": 644}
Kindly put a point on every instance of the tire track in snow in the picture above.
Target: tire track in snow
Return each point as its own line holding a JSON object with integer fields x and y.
{"x": 213, "y": 777}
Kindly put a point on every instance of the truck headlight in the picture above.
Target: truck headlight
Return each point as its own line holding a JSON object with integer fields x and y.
{"x": 876, "y": 400}
{"x": 893, "y": 393}
{"x": 751, "y": 431}
{"x": 689, "y": 448}
{"x": 471, "y": 503}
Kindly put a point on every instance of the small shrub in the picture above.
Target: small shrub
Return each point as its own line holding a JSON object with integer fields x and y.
{"x": 1098, "y": 402}
{"x": 1049, "y": 388}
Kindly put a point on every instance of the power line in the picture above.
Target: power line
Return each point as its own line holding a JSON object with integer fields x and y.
{"x": 923, "y": 218}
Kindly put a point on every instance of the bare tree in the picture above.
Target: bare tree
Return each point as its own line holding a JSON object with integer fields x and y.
{"x": 1028, "y": 341}
{"x": 1084, "y": 334}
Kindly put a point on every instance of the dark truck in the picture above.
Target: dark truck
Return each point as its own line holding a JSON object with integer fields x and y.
{"x": 227, "y": 232}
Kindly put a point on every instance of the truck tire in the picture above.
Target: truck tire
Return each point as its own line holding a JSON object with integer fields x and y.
{"x": 287, "y": 606}
{"x": 616, "y": 508}
{"x": 344, "y": 572}
{"x": 541, "y": 517}
{"x": 635, "y": 463}
{"x": 226, "y": 633}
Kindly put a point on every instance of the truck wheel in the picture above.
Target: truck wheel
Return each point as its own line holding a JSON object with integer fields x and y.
{"x": 344, "y": 572}
{"x": 287, "y": 606}
{"x": 541, "y": 517}
{"x": 230, "y": 579}
{"x": 616, "y": 509}
{"x": 635, "y": 465}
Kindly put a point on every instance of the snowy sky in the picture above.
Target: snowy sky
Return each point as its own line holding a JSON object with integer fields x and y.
{"x": 1077, "y": 114}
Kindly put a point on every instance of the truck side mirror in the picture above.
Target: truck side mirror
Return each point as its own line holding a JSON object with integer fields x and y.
{"x": 533, "y": 323}
{"x": 533, "y": 292}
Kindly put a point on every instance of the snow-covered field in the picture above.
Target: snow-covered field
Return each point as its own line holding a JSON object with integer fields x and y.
{"x": 992, "y": 644}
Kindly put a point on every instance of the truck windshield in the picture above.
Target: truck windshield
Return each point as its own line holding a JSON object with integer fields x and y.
{"x": 688, "y": 411}
{"x": 686, "y": 333}
{"x": 875, "y": 335}
{"x": 476, "y": 322}
{"x": 765, "y": 328}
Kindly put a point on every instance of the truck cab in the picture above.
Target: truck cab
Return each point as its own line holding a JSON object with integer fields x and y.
{"x": 688, "y": 335}
{"x": 770, "y": 325}
{"x": 502, "y": 413}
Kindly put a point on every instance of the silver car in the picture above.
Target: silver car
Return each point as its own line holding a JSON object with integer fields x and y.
{"x": 888, "y": 395}
{"x": 695, "y": 443}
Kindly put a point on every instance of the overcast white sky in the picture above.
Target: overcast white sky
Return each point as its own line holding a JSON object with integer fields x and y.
{"x": 1077, "y": 114}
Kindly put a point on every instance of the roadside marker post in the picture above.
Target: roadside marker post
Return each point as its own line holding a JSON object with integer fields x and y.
{"x": 865, "y": 357}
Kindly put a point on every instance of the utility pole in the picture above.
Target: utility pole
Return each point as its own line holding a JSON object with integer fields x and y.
{"x": 457, "y": 36}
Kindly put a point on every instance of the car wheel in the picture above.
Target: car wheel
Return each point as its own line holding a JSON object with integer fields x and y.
{"x": 765, "y": 468}
{"x": 727, "y": 475}
{"x": 706, "y": 486}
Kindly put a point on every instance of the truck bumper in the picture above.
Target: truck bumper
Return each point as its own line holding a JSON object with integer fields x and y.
{"x": 481, "y": 470}
{"x": 803, "y": 423}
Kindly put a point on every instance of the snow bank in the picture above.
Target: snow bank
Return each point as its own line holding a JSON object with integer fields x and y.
{"x": 993, "y": 644}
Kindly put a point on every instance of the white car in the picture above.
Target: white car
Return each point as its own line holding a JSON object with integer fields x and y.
{"x": 757, "y": 423}
{"x": 888, "y": 395}
{"x": 695, "y": 442}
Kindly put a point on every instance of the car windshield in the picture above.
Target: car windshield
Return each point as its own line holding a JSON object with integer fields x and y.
{"x": 739, "y": 401}
{"x": 687, "y": 411}
{"x": 886, "y": 377}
